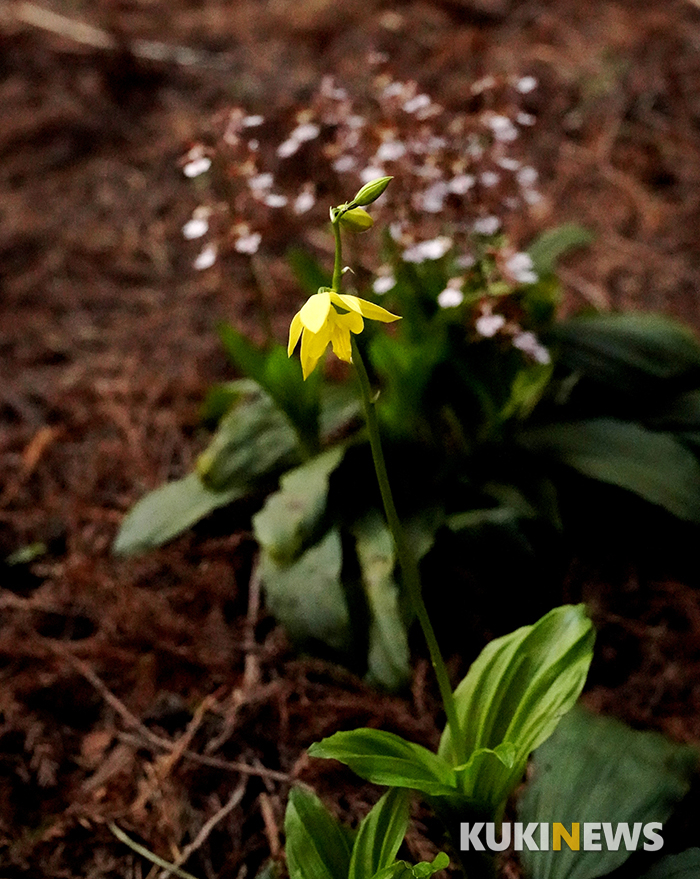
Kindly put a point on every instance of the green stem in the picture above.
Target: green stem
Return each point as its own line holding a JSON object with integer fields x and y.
{"x": 407, "y": 560}
{"x": 338, "y": 263}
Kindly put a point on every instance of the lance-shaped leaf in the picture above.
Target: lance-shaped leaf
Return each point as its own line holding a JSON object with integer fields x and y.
{"x": 596, "y": 769}
{"x": 388, "y": 659}
{"x": 307, "y": 596}
{"x": 254, "y": 439}
{"x": 380, "y": 835}
{"x": 519, "y": 687}
{"x": 291, "y": 515}
{"x": 385, "y": 758}
{"x": 637, "y": 354}
{"x": 167, "y": 511}
{"x": 317, "y": 846}
{"x": 656, "y": 466}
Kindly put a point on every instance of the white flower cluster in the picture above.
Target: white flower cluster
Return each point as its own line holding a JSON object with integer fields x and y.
{"x": 455, "y": 174}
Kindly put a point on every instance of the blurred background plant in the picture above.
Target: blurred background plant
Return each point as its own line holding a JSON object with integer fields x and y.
{"x": 488, "y": 399}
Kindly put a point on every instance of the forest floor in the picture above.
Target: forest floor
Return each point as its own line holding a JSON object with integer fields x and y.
{"x": 156, "y": 692}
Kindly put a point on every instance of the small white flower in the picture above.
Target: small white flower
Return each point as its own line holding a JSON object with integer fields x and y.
{"x": 520, "y": 268}
{"x": 434, "y": 248}
{"x": 532, "y": 196}
{"x": 465, "y": 261}
{"x": 275, "y": 200}
{"x": 529, "y": 344}
{"x": 420, "y": 102}
{"x": 526, "y": 84}
{"x": 261, "y": 182}
{"x": 206, "y": 258}
{"x": 394, "y": 90}
{"x": 197, "y": 166}
{"x": 527, "y": 176}
{"x": 487, "y": 325}
{"x": 489, "y": 178}
{"x": 396, "y": 230}
{"x": 383, "y": 284}
{"x": 503, "y": 129}
{"x": 432, "y": 200}
{"x": 195, "y": 228}
{"x": 248, "y": 243}
{"x": 390, "y": 151}
{"x": 487, "y": 225}
{"x": 252, "y": 121}
{"x": 304, "y": 132}
{"x": 254, "y": 145}
{"x": 450, "y": 297}
{"x": 524, "y": 118}
{"x": 343, "y": 164}
{"x": 508, "y": 164}
{"x": 288, "y": 147}
{"x": 371, "y": 173}
{"x": 461, "y": 184}
{"x": 304, "y": 201}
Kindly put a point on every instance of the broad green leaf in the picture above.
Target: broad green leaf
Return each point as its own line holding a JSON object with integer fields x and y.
{"x": 291, "y": 516}
{"x": 385, "y": 758}
{"x": 380, "y": 835}
{"x": 388, "y": 659}
{"x": 253, "y": 439}
{"x": 596, "y": 769}
{"x": 637, "y": 354}
{"x": 317, "y": 847}
{"x": 167, "y": 511}
{"x": 656, "y": 466}
{"x": 683, "y": 866}
{"x": 550, "y": 246}
{"x": 518, "y": 688}
{"x": 307, "y": 597}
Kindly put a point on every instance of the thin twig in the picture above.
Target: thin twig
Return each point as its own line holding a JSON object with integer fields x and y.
{"x": 144, "y": 852}
{"x": 218, "y": 763}
{"x": 207, "y": 828}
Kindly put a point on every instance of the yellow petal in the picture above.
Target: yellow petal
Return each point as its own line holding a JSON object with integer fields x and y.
{"x": 363, "y": 307}
{"x": 295, "y": 329}
{"x": 351, "y": 321}
{"x": 314, "y": 313}
{"x": 312, "y": 347}
{"x": 340, "y": 339}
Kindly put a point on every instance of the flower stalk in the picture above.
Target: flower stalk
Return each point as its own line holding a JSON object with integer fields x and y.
{"x": 407, "y": 560}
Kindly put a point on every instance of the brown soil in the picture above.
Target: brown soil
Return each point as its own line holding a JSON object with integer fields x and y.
{"x": 156, "y": 691}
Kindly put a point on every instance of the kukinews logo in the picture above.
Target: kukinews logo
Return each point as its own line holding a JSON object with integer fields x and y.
{"x": 590, "y": 836}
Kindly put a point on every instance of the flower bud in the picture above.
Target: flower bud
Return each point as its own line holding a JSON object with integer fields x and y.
{"x": 357, "y": 219}
{"x": 371, "y": 191}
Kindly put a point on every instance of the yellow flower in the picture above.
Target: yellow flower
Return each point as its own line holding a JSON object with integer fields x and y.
{"x": 319, "y": 322}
